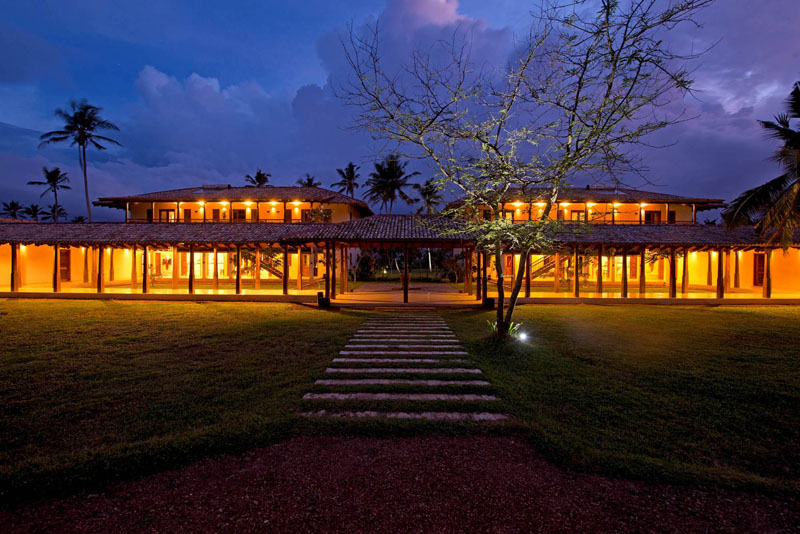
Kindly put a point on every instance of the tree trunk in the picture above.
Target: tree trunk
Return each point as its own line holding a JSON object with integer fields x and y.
{"x": 55, "y": 195}
{"x": 86, "y": 184}
{"x": 512, "y": 300}
{"x": 502, "y": 328}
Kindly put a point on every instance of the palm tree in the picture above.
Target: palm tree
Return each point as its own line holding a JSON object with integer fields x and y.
{"x": 308, "y": 181}
{"x": 80, "y": 126}
{"x": 386, "y": 184}
{"x": 33, "y": 211}
{"x": 349, "y": 176}
{"x": 12, "y": 209}
{"x": 259, "y": 180}
{"x": 429, "y": 195}
{"x": 775, "y": 205}
{"x": 53, "y": 181}
{"x": 54, "y": 213}
{"x": 78, "y": 219}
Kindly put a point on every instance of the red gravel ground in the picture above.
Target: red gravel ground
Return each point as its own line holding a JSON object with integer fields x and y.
{"x": 426, "y": 484}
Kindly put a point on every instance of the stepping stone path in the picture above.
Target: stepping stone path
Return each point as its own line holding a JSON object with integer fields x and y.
{"x": 404, "y": 359}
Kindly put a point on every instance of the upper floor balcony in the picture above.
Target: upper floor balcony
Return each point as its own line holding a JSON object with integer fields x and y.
{"x": 224, "y": 203}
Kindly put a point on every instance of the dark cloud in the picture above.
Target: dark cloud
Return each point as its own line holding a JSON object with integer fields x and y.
{"x": 183, "y": 128}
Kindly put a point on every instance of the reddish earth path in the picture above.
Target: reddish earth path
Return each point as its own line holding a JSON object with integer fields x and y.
{"x": 423, "y": 484}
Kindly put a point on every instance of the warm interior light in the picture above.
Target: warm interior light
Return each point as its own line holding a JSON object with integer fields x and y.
{"x": 540, "y": 204}
{"x": 272, "y": 202}
{"x": 22, "y": 247}
{"x": 517, "y": 203}
{"x": 590, "y": 204}
{"x": 296, "y": 202}
{"x": 643, "y": 204}
{"x": 248, "y": 203}
{"x": 616, "y": 204}
{"x": 297, "y": 209}
{"x": 202, "y": 203}
{"x": 564, "y": 203}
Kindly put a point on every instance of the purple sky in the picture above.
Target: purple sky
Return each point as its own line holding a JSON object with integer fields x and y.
{"x": 205, "y": 93}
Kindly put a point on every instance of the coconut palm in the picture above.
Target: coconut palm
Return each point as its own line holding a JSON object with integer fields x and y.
{"x": 81, "y": 126}
{"x": 308, "y": 181}
{"x": 349, "y": 179}
{"x": 775, "y": 205}
{"x": 259, "y": 180}
{"x": 386, "y": 184}
{"x": 54, "y": 213}
{"x": 33, "y": 212}
{"x": 78, "y": 219}
{"x": 12, "y": 209}
{"x": 429, "y": 195}
{"x": 53, "y": 181}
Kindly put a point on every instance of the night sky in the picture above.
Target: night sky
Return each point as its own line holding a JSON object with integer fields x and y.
{"x": 206, "y": 91}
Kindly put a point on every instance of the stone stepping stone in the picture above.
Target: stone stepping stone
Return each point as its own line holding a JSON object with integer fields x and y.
{"x": 414, "y": 339}
{"x": 397, "y": 382}
{"x": 454, "y": 346}
{"x": 395, "y": 360}
{"x": 401, "y": 352}
{"x": 460, "y": 397}
{"x": 430, "y": 416}
{"x": 403, "y": 370}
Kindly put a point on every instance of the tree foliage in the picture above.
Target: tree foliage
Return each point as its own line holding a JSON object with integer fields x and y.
{"x": 387, "y": 182}
{"x": 588, "y": 83}
{"x": 775, "y": 205}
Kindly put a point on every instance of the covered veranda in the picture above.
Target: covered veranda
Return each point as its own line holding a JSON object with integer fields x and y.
{"x": 665, "y": 264}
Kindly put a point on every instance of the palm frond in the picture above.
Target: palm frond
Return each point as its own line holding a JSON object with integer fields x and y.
{"x": 751, "y": 205}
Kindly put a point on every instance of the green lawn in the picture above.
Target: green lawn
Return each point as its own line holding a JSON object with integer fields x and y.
{"x": 92, "y": 390}
{"x": 661, "y": 393}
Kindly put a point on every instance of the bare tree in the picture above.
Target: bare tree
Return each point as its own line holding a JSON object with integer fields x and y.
{"x": 586, "y": 86}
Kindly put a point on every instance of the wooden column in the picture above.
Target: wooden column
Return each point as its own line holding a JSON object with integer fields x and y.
{"x": 600, "y": 270}
{"x": 145, "y": 269}
{"x": 709, "y": 278}
{"x": 333, "y": 270}
{"x": 685, "y": 275}
{"x": 624, "y": 273}
{"x": 727, "y": 270}
{"x": 485, "y": 280}
{"x": 479, "y": 278}
{"x": 673, "y": 282}
{"x": 175, "y": 267}
{"x": 257, "y": 271}
{"x": 468, "y": 272}
{"x": 642, "y": 273}
{"x": 238, "y": 269}
{"x": 576, "y": 291}
{"x": 111, "y": 264}
{"x": 327, "y": 272}
{"x": 299, "y": 269}
{"x": 405, "y": 274}
{"x": 191, "y": 269}
{"x": 345, "y": 270}
{"x": 528, "y": 267}
{"x": 285, "y": 277}
{"x": 56, "y": 271}
{"x": 720, "y": 274}
{"x": 556, "y": 272}
{"x": 216, "y": 270}
{"x": 85, "y": 265}
{"x": 101, "y": 284}
{"x": 766, "y": 290}
{"x": 133, "y": 269}
{"x": 736, "y": 255}
{"x": 342, "y": 271}
{"x": 14, "y": 267}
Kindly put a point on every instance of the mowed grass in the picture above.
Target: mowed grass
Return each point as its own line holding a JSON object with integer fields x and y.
{"x": 92, "y": 391}
{"x": 691, "y": 395}
{"x": 97, "y": 391}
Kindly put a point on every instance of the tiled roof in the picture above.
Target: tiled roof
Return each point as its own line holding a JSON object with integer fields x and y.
{"x": 217, "y": 193}
{"x": 390, "y": 229}
{"x": 10, "y": 220}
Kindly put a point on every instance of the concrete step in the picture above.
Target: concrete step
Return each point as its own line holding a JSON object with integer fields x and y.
{"x": 430, "y": 416}
{"x": 395, "y": 360}
{"x": 403, "y": 370}
{"x": 403, "y": 352}
{"x": 459, "y": 397}
{"x": 397, "y": 382}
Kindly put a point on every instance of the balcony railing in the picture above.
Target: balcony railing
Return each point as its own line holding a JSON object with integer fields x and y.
{"x": 200, "y": 221}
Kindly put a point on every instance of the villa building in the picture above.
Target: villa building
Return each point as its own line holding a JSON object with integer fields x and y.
{"x": 296, "y": 241}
